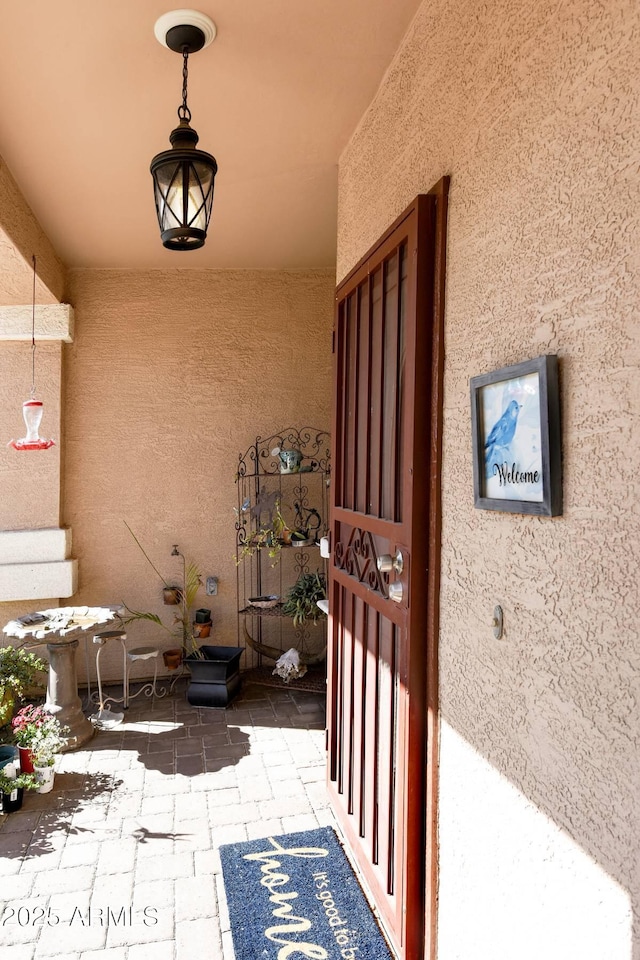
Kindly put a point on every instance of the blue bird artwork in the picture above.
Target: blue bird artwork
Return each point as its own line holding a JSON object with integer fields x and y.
{"x": 502, "y": 433}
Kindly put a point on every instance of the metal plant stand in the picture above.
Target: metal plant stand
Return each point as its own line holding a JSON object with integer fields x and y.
{"x": 282, "y": 513}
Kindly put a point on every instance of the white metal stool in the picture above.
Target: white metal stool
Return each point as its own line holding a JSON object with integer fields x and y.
{"x": 149, "y": 689}
{"x": 106, "y": 718}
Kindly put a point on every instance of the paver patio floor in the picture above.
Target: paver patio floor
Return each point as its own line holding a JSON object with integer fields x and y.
{"x": 120, "y": 861}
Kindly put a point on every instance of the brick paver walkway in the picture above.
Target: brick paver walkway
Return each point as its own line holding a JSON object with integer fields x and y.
{"x": 120, "y": 861}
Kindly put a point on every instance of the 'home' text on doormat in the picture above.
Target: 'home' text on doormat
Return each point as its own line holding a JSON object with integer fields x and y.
{"x": 296, "y": 897}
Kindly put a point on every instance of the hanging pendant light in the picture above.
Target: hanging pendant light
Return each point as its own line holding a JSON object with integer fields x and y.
{"x": 32, "y": 408}
{"x": 183, "y": 177}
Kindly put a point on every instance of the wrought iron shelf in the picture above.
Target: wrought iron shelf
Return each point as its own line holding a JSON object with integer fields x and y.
{"x": 272, "y": 498}
{"x": 303, "y": 545}
{"x": 264, "y": 611}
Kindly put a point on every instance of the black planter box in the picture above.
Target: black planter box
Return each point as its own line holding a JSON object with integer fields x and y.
{"x": 215, "y": 680}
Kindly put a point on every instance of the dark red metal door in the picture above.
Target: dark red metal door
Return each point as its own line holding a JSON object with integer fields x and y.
{"x": 383, "y": 580}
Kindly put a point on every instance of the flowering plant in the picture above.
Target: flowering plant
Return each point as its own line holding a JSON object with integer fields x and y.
{"x": 27, "y": 721}
{"x": 47, "y": 742}
{"x": 40, "y": 732}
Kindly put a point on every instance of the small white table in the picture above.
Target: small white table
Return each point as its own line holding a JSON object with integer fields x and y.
{"x": 60, "y": 628}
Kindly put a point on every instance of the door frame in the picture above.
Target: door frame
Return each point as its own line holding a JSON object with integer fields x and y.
{"x": 430, "y": 304}
{"x": 441, "y": 191}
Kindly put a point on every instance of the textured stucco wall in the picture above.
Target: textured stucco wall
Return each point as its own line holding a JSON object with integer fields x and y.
{"x": 171, "y": 375}
{"x": 533, "y": 111}
{"x": 21, "y": 236}
{"x": 29, "y": 480}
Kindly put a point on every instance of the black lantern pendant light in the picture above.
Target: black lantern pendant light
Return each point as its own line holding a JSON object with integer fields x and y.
{"x": 183, "y": 177}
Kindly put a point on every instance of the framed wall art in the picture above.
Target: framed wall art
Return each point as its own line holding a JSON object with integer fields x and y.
{"x": 515, "y": 416}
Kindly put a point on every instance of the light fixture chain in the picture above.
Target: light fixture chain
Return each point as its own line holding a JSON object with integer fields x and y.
{"x": 183, "y": 111}
{"x": 33, "y": 330}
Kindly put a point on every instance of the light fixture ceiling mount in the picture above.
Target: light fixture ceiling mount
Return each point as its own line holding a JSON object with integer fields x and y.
{"x": 183, "y": 177}
{"x": 178, "y": 27}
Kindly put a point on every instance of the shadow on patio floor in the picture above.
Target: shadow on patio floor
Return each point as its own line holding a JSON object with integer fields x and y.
{"x": 136, "y": 817}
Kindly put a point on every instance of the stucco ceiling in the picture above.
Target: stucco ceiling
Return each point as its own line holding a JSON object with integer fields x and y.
{"x": 88, "y": 96}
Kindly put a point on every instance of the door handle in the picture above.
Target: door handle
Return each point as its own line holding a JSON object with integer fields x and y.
{"x": 386, "y": 563}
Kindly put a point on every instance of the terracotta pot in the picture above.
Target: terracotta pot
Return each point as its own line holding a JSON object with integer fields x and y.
{"x": 171, "y": 596}
{"x": 202, "y": 630}
{"x": 172, "y": 658}
{"x": 26, "y": 760}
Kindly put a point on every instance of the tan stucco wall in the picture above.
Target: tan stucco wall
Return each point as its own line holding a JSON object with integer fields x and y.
{"x": 533, "y": 111}
{"x": 22, "y": 237}
{"x": 29, "y": 480}
{"x": 171, "y": 375}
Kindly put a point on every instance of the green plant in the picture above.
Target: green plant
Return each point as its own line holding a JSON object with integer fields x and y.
{"x": 181, "y": 627}
{"x": 269, "y": 536}
{"x": 302, "y": 598}
{"x": 22, "y": 781}
{"x": 18, "y": 671}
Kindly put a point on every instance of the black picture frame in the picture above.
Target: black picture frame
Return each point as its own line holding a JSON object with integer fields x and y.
{"x": 516, "y": 437}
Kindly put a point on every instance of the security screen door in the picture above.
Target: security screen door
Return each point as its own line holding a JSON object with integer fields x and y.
{"x": 384, "y": 569}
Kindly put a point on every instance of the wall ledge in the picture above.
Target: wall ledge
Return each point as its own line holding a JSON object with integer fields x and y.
{"x": 38, "y": 581}
{"x": 34, "y": 546}
{"x": 53, "y": 322}
{"x": 35, "y": 564}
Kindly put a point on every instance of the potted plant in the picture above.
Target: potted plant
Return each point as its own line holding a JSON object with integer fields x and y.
{"x": 181, "y": 629}
{"x": 28, "y": 725}
{"x": 270, "y": 535}
{"x": 46, "y": 742}
{"x": 171, "y": 594}
{"x": 301, "y": 602}
{"x": 12, "y": 786}
{"x": 18, "y": 671}
{"x": 215, "y": 676}
{"x": 215, "y": 671}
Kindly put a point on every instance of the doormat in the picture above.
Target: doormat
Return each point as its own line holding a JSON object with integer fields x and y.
{"x": 296, "y": 896}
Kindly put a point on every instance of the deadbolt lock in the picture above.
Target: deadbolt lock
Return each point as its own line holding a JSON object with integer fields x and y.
{"x": 387, "y": 563}
{"x": 396, "y": 592}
